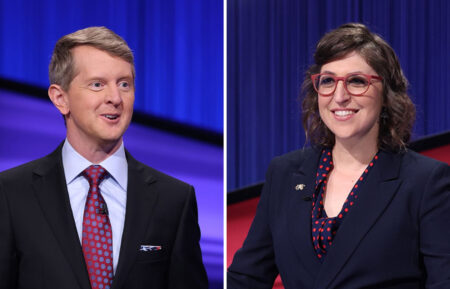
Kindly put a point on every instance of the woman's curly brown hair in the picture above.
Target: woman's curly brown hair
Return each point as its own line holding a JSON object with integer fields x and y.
{"x": 398, "y": 112}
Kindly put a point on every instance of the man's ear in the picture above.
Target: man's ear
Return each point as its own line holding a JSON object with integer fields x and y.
{"x": 59, "y": 98}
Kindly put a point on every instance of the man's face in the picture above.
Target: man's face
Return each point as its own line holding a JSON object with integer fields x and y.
{"x": 99, "y": 99}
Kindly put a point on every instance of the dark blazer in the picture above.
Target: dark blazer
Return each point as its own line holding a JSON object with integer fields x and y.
{"x": 396, "y": 236}
{"x": 40, "y": 247}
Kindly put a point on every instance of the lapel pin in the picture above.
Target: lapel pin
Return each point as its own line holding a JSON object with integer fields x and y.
{"x": 300, "y": 187}
{"x": 147, "y": 248}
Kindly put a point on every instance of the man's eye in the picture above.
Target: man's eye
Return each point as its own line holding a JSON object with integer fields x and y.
{"x": 96, "y": 85}
{"x": 124, "y": 84}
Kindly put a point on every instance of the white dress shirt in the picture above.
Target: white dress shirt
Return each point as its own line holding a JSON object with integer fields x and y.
{"x": 113, "y": 189}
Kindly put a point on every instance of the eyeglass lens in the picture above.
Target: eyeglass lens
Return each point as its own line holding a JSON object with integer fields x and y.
{"x": 355, "y": 84}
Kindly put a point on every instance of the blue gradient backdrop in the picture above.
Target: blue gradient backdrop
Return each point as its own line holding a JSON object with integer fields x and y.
{"x": 178, "y": 46}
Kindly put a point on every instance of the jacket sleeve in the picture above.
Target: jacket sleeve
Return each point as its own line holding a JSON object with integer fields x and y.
{"x": 186, "y": 266}
{"x": 8, "y": 254}
{"x": 435, "y": 228}
{"x": 254, "y": 265}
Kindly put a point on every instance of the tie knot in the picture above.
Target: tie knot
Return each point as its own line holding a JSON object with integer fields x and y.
{"x": 94, "y": 174}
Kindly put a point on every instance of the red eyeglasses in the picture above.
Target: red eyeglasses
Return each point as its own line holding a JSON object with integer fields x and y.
{"x": 355, "y": 84}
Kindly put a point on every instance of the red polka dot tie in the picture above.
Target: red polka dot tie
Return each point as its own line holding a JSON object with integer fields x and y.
{"x": 97, "y": 233}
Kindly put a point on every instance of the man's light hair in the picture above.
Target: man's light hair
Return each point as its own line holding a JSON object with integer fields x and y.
{"x": 61, "y": 70}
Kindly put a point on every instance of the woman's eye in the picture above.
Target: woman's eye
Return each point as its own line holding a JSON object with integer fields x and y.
{"x": 326, "y": 80}
{"x": 357, "y": 81}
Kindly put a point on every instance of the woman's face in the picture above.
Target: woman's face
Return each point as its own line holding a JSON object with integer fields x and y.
{"x": 351, "y": 118}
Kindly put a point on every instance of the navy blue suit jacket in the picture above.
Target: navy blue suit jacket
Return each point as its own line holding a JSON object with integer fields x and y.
{"x": 396, "y": 236}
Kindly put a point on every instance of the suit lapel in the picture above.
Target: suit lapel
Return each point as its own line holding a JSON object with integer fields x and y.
{"x": 140, "y": 202}
{"x": 299, "y": 211}
{"x": 375, "y": 195}
{"x": 51, "y": 191}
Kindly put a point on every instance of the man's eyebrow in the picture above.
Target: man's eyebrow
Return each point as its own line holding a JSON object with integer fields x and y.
{"x": 93, "y": 77}
{"x": 128, "y": 77}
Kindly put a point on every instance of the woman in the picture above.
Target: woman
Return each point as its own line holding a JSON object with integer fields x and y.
{"x": 358, "y": 210}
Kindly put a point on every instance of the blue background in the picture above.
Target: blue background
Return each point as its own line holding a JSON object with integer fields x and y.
{"x": 270, "y": 46}
{"x": 178, "y": 47}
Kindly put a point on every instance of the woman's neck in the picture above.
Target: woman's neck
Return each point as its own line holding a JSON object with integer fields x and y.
{"x": 353, "y": 156}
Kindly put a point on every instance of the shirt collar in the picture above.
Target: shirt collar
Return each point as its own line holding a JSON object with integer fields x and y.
{"x": 74, "y": 164}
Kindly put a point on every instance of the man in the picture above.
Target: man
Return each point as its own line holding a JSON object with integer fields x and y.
{"x": 89, "y": 215}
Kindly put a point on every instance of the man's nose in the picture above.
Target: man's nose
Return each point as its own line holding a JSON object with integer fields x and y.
{"x": 113, "y": 95}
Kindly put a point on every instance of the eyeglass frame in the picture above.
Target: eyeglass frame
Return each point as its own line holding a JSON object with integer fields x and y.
{"x": 344, "y": 78}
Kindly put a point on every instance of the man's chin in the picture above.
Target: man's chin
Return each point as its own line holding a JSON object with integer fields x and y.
{"x": 111, "y": 142}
